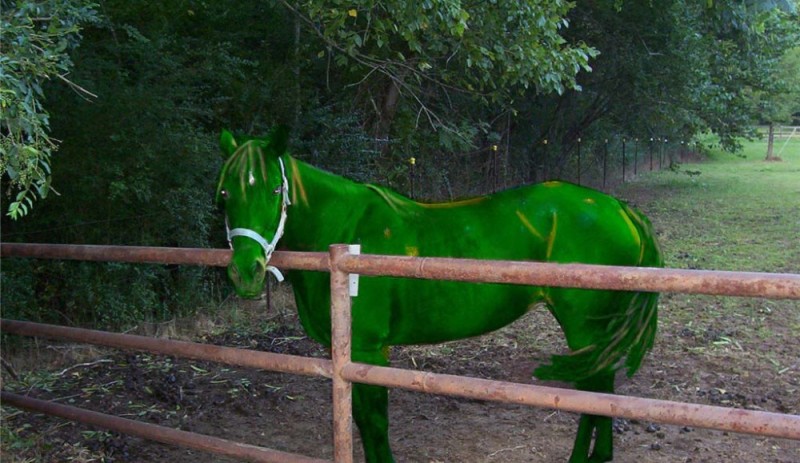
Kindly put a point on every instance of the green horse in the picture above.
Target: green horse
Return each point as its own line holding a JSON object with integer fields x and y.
{"x": 268, "y": 196}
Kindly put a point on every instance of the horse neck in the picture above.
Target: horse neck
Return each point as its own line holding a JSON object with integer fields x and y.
{"x": 321, "y": 205}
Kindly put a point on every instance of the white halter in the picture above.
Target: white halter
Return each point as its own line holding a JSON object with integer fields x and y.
{"x": 269, "y": 247}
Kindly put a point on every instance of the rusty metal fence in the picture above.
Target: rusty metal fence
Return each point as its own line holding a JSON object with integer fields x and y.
{"x": 340, "y": 263}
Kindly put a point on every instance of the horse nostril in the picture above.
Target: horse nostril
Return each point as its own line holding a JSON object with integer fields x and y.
{"x": 257, "y": 267}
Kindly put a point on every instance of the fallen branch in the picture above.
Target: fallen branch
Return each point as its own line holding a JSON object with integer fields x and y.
{"x": 7, "y": 366}
{"x": 81, "y": 365}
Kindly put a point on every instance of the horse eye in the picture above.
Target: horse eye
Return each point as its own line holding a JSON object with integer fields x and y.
{"x": 224, "y": 194}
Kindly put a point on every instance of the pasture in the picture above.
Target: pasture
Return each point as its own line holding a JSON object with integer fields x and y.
{"x": 724, "y": 212}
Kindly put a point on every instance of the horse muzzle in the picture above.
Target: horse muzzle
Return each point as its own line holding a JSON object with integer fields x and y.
{"x": 248, "y": 277}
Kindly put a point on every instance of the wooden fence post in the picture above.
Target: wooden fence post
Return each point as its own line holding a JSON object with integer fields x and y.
{"x": 340, "y": 355}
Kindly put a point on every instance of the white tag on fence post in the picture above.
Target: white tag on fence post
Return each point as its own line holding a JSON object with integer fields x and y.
{"x": 354, "y": 249}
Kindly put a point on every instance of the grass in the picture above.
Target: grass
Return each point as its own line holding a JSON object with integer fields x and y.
{"x": 734, "y": 212}
{"x": 729, "y": 212}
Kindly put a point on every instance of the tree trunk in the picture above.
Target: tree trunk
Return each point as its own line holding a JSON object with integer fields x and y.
{"x": 770, "y": 141}
{"x": 388, "y": 109}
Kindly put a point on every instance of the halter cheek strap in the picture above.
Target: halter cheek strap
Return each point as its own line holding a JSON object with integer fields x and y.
{"x": 269, "y": 247}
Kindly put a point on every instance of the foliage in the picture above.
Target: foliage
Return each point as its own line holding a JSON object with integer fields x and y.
{"x": 428, "y": 55}
{"x": 36, "y": 38}
{"x": 668, "y": 70}
{"x": 138, "y": 164}
{"x": 751, "y": 37}
{"x": 783, "y": 102}
{"x": 490, "y": 49}
{"x": 149, "y": 165}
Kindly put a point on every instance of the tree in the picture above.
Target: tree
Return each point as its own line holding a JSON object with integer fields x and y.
{"x": 35, "y": 40}
{"x": 750, "y": 37}
{"x": 669, "y": 69}
{"x": 431, "y": 54}
{"x": 138, "y": 165}
{"x": 781, "y": 105}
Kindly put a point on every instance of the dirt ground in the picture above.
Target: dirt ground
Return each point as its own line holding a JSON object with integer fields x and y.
{"x": 293, "y": 413}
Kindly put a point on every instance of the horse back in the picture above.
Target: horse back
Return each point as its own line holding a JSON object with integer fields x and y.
{"x": 553, "y": 222}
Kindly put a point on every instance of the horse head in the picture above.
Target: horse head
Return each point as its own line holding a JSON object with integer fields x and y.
{"x": 253, "y": 191}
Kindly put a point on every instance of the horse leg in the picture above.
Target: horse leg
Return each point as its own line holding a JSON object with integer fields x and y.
{"x": 583, "y": 440}
{"x": 371, "y": 412}
{"x": 600, "y": 426}
{"x": 604, "y": 440}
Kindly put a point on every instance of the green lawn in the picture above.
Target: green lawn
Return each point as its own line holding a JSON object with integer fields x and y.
{"x": 727, "y": 212}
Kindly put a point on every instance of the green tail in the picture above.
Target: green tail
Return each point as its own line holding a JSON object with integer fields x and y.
{"x": 630, "y": 333}
{"x": 651, "y": 257}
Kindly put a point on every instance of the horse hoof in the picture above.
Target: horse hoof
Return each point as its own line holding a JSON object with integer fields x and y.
{"x": 595, "y": 458}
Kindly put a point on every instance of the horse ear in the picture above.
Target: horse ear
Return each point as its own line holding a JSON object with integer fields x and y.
{"x": 279, "y": 138}
{"x": 227, "y": 142}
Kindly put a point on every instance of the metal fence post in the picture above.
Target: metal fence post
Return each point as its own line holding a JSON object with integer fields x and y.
{"x": 340, "y": 355}
{"x": 605, "y": 161}
{"x": 412, "y": 161}
{"x": 579, "y": 160}
{"x": 545, "y": 162}
{"x": 495, "y": 169}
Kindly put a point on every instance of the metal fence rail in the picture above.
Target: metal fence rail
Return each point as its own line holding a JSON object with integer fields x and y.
{"x": 342, "y": 371}
{"x": 634, "y": 408}
{"x": 716, "y": 283}
{"x": 247, "y": 358}
{"x": 211, "y": 444}
{"x": 662, "y": 280}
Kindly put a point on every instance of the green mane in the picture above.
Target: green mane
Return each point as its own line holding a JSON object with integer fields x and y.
{"x": 248, "y": 158}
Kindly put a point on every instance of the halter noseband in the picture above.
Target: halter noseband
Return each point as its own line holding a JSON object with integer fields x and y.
{"x": 269, "y": 247}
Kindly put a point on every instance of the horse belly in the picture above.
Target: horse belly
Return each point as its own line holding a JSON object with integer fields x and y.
{"x": 426, "y": 312}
